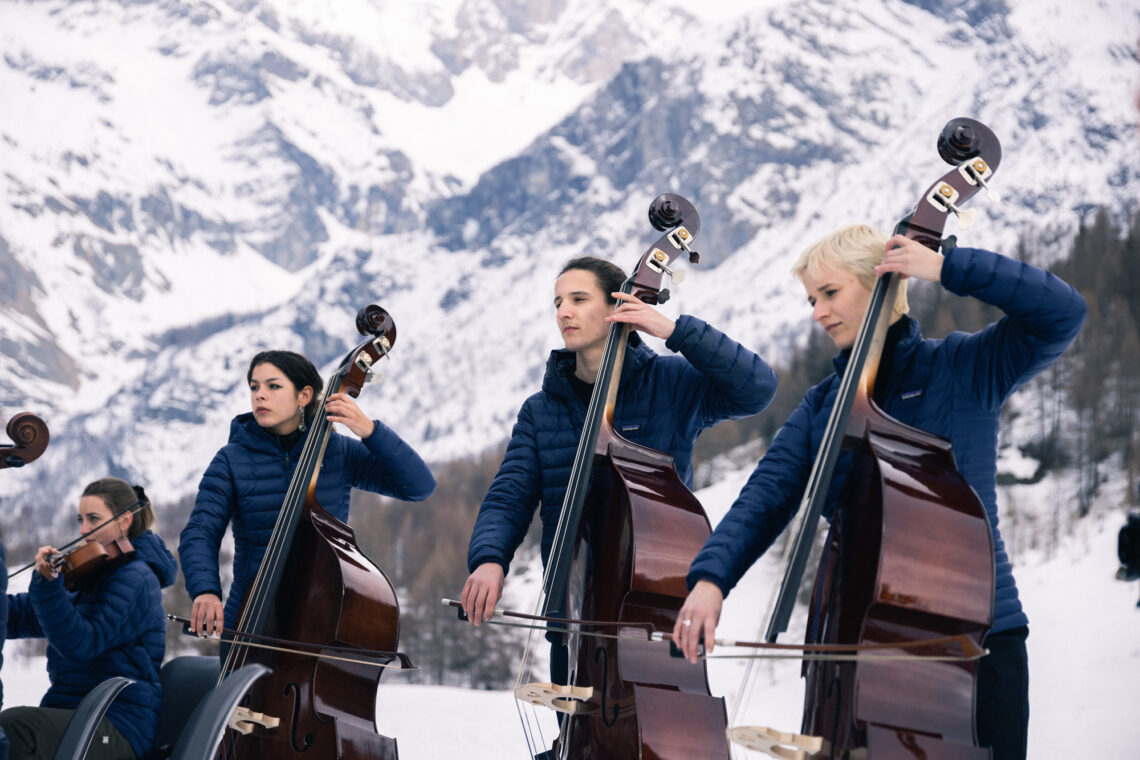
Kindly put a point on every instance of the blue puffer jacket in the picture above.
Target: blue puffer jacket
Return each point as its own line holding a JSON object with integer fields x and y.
{"x": 117, "y": 627}
{"x": 3, "y": 619}
{"x": 248, "y": 479}
{"x": 953, "y": 388}
{"x": 663, "y": 403}
{"x": 4, "y": 622}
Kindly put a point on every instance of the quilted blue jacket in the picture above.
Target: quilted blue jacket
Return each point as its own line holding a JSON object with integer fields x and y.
{"x": 4, "y": 622}
{"x": 663, "y": 403}
{"x": 116, "y": 627}
{"x": 952, "y": 387}
{"x": 248, "y": 479}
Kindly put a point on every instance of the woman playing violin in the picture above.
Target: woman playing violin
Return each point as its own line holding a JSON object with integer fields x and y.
{"x": 248, "y": 478}
{"x": 953, "y": 388}
{"x": 113, "y": 624}
{"x": 663, "y": 403}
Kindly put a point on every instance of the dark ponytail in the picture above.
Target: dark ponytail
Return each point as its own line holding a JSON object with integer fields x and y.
{"x": 120, "y": 496}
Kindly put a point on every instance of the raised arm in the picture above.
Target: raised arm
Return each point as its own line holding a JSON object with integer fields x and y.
{"x": 727, "y": 380}
{"x": 384, "y": 463}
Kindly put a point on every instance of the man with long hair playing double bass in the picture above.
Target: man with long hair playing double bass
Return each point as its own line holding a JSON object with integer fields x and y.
{"x": 663, "y": 403}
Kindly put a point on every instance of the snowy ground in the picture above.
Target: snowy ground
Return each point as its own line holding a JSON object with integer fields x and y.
{"x": 1084, "y": 650}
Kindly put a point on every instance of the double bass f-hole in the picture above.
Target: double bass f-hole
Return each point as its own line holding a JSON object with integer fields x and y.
{"x": 609, "y": 718}
{"x": 300, "y": 743}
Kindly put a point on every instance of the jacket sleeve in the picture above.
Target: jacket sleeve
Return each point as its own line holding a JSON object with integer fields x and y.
{"x": 510, "y": 502}
{"x": 22, "y": 623}
{"x": 85, "y": 631}
{"x": 725, "y": 380}
{"x": 384, "y": 463}
{"x": 765, "y": 504}
{"x": 1043, "y": 314}
{"x": 201, "y": 539}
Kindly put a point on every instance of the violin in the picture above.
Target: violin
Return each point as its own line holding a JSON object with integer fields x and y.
{"x": 85, "y": 562}
{"x": 80, "y": 561}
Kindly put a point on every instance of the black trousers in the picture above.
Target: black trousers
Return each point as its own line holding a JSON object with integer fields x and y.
{"x": 1003, "y": 695}
{"x": 34, "y": 733}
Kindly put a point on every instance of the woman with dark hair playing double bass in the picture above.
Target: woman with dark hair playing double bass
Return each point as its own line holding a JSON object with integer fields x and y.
{"x": 248, "y": 478}
{"x": 111, "y": 624}
{"x": 953, "y": 388}
{"x": 663, "y": 403}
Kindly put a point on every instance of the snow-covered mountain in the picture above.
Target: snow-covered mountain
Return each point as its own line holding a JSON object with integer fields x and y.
{"x": 185, "y": 183}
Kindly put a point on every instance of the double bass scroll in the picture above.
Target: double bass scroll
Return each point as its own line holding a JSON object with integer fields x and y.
{"x": 30, "y": 436}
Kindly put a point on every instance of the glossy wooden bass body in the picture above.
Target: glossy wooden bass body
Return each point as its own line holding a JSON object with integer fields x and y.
{"x": 909, "y": 555}
{"x": 317, "y": 587}
{"x": 622, "y": 554}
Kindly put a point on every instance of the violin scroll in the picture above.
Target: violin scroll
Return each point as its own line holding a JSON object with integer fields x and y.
{"x": 30, "y": 434}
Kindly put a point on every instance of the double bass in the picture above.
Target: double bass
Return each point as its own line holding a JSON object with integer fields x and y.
{"x": 909, "y": 554}
{"x": 628, "y": 530}
{"x": 317, "y": 589}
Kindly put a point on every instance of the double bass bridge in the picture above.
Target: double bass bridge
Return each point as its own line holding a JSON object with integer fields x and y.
{"x": 243, "y": 720}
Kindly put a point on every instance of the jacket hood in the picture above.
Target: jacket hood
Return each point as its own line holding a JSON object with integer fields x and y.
{"x": 561, "y": 364}
{"x": 902, "y": 338}
{"x": 244, "y": 431}
{"x": 151, "y": 549}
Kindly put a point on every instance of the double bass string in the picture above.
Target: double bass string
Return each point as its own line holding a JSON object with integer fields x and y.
{"x": 281, "y": 539}
{"x": 572, "y": 504}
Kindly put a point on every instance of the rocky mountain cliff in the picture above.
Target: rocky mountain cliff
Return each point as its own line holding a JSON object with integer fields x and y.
{"x": 185, "y": 183}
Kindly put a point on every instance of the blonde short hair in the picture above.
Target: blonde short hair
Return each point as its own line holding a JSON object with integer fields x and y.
{"x": 858, "y": 249}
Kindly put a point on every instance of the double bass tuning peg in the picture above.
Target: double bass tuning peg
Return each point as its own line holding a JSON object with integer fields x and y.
{"x": 681, "y": 238}
{"x": 976, "y": 171}
{"x": 944, "y": 197}
{"x": 658, "y": 261}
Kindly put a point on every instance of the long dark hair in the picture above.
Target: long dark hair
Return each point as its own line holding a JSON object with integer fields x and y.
{"x": 609, "y": 276}
{"x": 298, "y": 369}
{"x": 119, "y": 496}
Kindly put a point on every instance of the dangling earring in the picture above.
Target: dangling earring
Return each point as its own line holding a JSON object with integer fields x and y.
{"x": 303, "y": 426}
